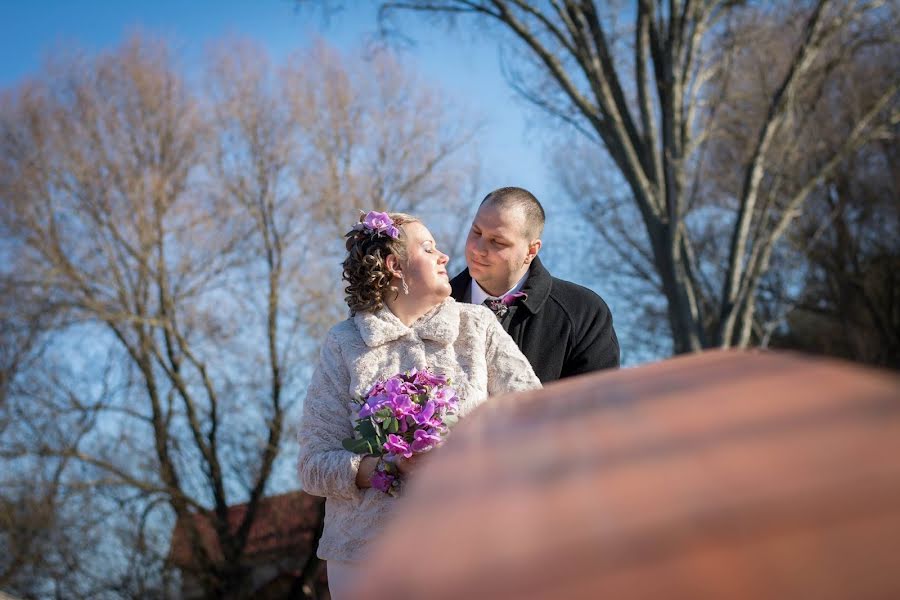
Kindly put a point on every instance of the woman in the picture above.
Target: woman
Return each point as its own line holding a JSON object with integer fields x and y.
{"x": 402, "y": 318}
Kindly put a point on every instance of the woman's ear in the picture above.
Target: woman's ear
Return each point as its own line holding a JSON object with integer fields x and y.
{"x": 393, "y": 265}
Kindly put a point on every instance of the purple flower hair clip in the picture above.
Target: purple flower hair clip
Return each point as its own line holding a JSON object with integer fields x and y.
{"x": 378, "y": 223}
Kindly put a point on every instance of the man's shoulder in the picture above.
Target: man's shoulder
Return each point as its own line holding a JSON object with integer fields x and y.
{"x": 460, "y": 284}
{"x": 461, "y": 277}
{"x": 564, "y": 299}
{"x": 575, "y": 304}
{"x": 567, "y": 293}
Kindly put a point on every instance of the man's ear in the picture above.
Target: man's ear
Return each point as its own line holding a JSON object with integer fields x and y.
{"x": 393, "y": 265}
{"x": 534, "y": 247}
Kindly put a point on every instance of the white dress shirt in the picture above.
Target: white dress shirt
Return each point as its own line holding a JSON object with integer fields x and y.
{"x": 478, "y": 295}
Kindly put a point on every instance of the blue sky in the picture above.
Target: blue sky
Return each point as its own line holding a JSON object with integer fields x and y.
{"x": 465, "y": 63}
{"x": 466, "y": 69}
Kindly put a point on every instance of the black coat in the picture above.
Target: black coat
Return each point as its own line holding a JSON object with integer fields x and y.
{"x": 563, "y": 329}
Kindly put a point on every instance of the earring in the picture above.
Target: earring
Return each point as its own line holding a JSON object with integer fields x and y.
{"x": 405, "y": 287}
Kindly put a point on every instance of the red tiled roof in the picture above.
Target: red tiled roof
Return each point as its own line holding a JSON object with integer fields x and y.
{"x": 285, "y": 521}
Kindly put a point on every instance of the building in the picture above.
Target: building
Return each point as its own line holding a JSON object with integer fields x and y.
{"x": 279, "y": 545}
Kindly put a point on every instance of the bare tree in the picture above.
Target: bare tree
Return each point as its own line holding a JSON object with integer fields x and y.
{"x": 644, "y": 84}
{"x": 849, "y": 303}
{"x": 849, "y": 239}
{"x": 182, "y": 238}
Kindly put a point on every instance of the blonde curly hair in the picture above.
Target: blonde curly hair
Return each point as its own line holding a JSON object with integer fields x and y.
{"x": 365, "y": 269}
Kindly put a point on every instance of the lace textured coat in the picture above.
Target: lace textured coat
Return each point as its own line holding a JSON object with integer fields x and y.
{"x": 462, "y": 341}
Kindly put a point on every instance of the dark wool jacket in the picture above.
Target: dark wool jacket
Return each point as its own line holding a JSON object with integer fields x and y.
{"x": 563, "y": 329}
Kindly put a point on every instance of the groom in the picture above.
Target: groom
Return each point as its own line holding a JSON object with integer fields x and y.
{"x": 562, "y": 328}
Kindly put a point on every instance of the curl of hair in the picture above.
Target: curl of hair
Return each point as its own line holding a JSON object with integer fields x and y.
{"x": 365, "y": 268}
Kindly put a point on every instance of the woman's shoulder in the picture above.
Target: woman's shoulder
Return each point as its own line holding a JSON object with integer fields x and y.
{"x": 340, "y": 339}
{"x": 474, "y": 311}
{"x": 475, "y": 316}
{"x": 342, "y": 332}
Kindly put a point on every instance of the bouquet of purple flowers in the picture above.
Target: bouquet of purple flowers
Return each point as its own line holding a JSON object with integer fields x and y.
{"x": 405, "y": 414}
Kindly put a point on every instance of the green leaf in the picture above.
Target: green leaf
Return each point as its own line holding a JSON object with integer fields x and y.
{"x": 357, "y": 446}
{"x": 367, "y": 429}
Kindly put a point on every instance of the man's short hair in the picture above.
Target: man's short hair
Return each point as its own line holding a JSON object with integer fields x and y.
{"x": 509, "y": 197}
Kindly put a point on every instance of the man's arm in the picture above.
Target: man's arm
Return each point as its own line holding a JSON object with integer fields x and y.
{"x": 596, "y": 346}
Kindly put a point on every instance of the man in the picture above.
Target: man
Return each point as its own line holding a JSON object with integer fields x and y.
{"x": 562, "y": 328}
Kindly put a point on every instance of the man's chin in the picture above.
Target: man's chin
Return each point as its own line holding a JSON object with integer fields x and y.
{"x": 486, "y": 284}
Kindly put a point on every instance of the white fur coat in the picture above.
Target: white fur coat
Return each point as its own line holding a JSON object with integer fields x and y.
{"x": 462, "y": 341}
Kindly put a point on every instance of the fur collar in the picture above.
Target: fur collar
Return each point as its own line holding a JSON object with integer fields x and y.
{"x": 440, "y": 324}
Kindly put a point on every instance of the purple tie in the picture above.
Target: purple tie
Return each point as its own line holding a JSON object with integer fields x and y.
{"x": 500, "y": 306}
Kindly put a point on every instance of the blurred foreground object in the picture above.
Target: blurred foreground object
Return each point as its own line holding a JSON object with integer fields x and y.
{"x": 725, "y": 474}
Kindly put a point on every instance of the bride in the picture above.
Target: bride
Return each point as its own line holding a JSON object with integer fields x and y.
{"x": 401, "y": 318}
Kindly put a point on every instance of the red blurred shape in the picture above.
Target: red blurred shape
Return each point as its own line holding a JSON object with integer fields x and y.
{"x": 725, "y": 474}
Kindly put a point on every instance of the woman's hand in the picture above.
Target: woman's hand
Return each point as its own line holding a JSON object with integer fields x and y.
{"x": 369, "y": 463}
{"x": 366, "y": 468}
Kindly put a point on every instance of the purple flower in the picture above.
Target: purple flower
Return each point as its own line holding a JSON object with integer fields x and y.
{"x": 424, "y": 440}
{"x": 378, "y": 223}
{"x": 377, "y": 388}
{"x": 398, "y": 446}
{"x": 445, "y": 398}
{"x": 372, "y": 405}
{"x": 401, "y": 405}
{"x": 424, "y": 416}
{"x": 425, "y": 377}
{"x": 510, "y": 299}
{"x": 382, "y": 481}
{"x": 424, "y": 406}
{"x": 395, "y": 385}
